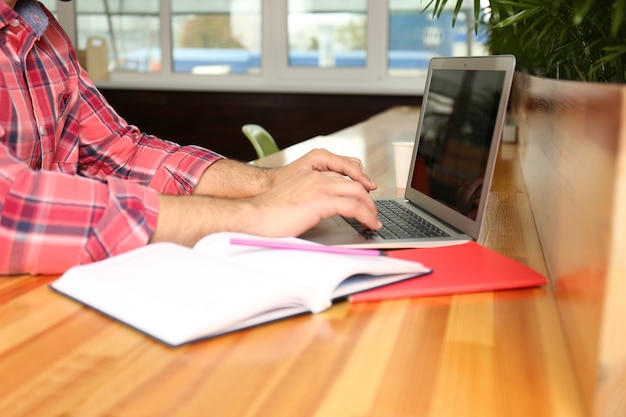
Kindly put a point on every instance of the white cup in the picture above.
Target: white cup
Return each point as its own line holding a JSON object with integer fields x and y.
{"x": 402, "y": 153}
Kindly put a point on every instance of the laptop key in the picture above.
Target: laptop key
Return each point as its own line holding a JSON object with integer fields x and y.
{"x": 385, "y": 234}
{"x": 398, "y": 223}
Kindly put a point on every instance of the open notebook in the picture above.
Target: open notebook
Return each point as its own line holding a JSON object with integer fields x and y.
{"x": 178, "y": 295}
{"x": 458, "y": 134}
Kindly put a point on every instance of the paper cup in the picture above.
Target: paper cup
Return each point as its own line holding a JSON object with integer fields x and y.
{"x": 402, "y": 153}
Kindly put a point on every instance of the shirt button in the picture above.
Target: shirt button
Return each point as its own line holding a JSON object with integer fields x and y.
{"x": 15, "y": 23}
{"x": 42, "y": 130}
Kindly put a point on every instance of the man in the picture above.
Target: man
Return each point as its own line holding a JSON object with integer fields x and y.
{"x": 78, "y": 184}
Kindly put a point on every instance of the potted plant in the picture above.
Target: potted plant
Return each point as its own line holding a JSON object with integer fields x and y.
{"x": 566, "y": 39}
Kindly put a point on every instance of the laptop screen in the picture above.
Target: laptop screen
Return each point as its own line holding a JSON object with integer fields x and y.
{"x": 460, "y": 113}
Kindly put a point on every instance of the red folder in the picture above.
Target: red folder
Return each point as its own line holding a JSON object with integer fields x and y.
{"x": 458, "y": 269}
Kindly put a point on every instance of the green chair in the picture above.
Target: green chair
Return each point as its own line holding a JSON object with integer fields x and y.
{"x": 261, "y": 139}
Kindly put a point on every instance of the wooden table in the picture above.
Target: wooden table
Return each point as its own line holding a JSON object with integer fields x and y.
{"x": 487, "y": 354}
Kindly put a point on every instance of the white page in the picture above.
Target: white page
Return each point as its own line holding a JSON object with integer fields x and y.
{"x": 176, "y": 294}
{"x": 321, "y": 272}
{"x": 170, "y": 292}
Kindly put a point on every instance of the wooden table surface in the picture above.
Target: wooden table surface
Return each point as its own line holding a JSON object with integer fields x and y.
{"x": 487, "y": 354}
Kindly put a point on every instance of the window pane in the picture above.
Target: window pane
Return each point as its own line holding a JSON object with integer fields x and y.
{"x": 327, "y": 33}
{"x": 216, "y": 37}
{"x": 129, "y": 27}
{"x": 415, "y": 37}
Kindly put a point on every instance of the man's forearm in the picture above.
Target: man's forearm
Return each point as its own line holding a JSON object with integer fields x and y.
{"x": 220, "y": 202}
{"x": 274, "y": 202}
{"x": 231, "y": 179}
{"x": 186, "y": 219}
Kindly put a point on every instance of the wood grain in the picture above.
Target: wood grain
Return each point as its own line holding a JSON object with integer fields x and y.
{"x": 487, "y": 354}
{"x": 572, "y": 148}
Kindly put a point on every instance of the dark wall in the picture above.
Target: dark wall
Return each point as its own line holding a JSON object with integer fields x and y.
{"x": 214, "y": 119}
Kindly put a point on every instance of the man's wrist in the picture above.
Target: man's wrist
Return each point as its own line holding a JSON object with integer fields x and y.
{"x": 186, "y": 219}
{"x": 231, "y": 179}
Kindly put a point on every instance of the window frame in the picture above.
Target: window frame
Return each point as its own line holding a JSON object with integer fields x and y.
{"x": 275, "y": 74}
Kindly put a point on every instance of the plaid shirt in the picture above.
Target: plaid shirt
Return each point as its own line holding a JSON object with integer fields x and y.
{"x": 77, "y": 183}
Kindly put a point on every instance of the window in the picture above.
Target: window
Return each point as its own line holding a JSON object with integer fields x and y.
{"x": 415, "y": 37}
{"x": 216, "y": 37}
{"x": 130, "y": 29}
{"x": 352, "y": 46}
{"x": 327, "y": 34}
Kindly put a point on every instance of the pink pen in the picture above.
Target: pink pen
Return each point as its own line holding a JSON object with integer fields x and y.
{"x": 303, "y": 246}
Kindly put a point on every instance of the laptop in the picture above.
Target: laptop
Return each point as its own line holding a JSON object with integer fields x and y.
{"x": 456, "y": 145}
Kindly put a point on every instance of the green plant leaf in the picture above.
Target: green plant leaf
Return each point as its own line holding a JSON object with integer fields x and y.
{"x": 428, "y": 6}
{"x": 524, "y": 4}
{"x": 581, "y": 8}
{"x": 571, "y": 39}
{"x": 619, "y": 9}
{"x": 518, "y": 17}
{"x": 457, "y": 9}
{"x": 477, "y": 9}
{"x": 438, "y": 7}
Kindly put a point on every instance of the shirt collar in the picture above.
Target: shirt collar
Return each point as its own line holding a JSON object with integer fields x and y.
{"x": 31, "y": 13}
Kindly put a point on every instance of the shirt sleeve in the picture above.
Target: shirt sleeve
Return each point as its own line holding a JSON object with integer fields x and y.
{"x": 109, "y": 146}
{"x": 50, "y": 221}
{"x": 93, "y": 190}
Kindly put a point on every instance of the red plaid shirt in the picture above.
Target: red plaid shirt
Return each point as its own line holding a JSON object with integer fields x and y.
{"x": 77, "y": 183}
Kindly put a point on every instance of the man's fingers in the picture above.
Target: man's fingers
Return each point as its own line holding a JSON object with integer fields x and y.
{"x": 323, "y": 160}
{"x": 350, "y": 199}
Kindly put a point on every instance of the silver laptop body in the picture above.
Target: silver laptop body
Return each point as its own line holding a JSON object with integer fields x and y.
{"x": 456, "y": 145}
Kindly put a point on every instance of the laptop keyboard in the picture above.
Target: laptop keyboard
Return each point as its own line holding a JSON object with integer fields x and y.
{"x": 398, "y": 223}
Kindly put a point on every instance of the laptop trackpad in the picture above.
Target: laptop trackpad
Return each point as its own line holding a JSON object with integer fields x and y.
{"x": 333, "y": 231}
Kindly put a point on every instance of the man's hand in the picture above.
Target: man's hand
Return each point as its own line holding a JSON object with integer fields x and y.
{"x": 323, "y": 160}
{"x": 285, "y": 201}
{"x": 305, "y": 197}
